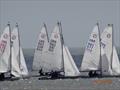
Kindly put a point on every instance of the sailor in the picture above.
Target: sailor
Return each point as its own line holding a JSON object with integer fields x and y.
{"x": 54, "y": 74}
{"x": 91, "y": 73}
{"x": 2, "y": 76}
{"x": 41, "y": 72}
{"x": 95, "y": 74}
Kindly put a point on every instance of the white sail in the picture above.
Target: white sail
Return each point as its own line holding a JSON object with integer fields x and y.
{"x": 70, "y": 68}
{"x": 115, "y": 63}
{"x": 41, "y": 49}
{"x": 18, "y": 67}
{"x": 23, "y": 67}
{"x": 105, "y": 63}
{"x": 54, "y": 59}
{"x": 91, "y": 58}
{"x": 106, "y": 44}
{"x": 15, "y": 68}
{"x": 5, "y": 50}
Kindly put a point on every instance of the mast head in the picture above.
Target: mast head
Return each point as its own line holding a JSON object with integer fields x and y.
{"x": 58, "y": 23}
{"x": 16, "y": 24}
{"x": 44, "y": 24}
{"x": 97, "y": 23}
{"x": 8, "y": 23}
{"x": 110, "y": 24}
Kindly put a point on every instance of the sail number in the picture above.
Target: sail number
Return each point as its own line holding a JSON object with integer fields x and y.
{"x": 40, "y": 45}
{"x": 90, "y": 45}
{"x": 2, "y": 46}
{"x": 52, "y": 45}
{"x": 103, "y": 44}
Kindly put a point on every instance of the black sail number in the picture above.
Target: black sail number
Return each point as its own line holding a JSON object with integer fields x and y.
{"x": 90, "y": 45}
{"x": 52, "y": 45}
{"x": 40, "y": 45}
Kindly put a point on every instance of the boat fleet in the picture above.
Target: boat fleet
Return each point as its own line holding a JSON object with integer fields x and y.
{"x": 52, "y": 57}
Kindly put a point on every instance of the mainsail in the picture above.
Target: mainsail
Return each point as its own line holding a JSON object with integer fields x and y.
{"x": 91, "y": 58}
{"x": 18, "y": 65}
{"x": 41, "y": 49}
{"x": 105, "y": 63}
{"x": 110, "y": 51}
{"x": 15, "y": 68}
{"x": 106, "y": 44}
{"x": 115, "y": 63}
{"x": 70, "y": 68}
{"x": 54, "y": 60}
{"x": 23, "y": 67}
{"x": 5, "y": 50}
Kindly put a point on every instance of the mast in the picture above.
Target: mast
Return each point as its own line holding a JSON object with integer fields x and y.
{"x": 62, "y": 43}
{"x": 111, "y": 25}
{"x": 19, "y": 60}
{"x": 10, "y": 48}
{"x": 100, "y": 50}
{"x": 46, "y": 31}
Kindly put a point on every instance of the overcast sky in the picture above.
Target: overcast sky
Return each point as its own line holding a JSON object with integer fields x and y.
{"x": 78, "y": 18}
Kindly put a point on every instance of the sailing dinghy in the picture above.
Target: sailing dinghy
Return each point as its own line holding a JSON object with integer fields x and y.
{"x": 107, "y": 43}
{"x": 11, "y": 54}
{"x": 91, "y": 58}
{"x": 54, "y": 59}
{"x": 41, "y": 50}
{"x": 58, "y": 58}
{"x": 5, "y": 50}
{"x": 18, "y": 64}
{"x": 101, "y": 55}
{"x": 70, "y": 68}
